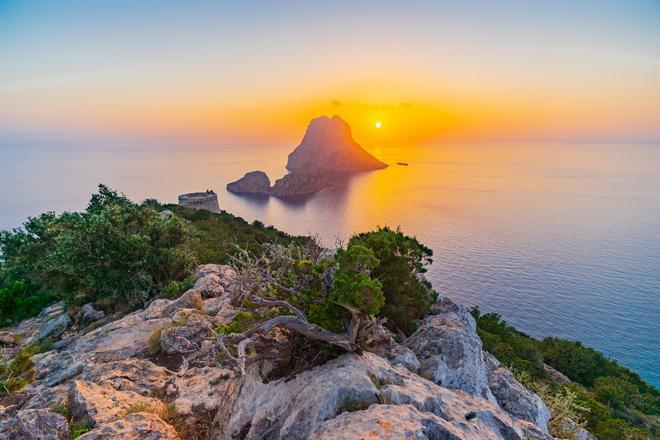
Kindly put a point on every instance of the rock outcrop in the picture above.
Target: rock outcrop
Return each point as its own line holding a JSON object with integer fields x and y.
{"x": 136, "y": 426}
{"x": 98, "y": 404}
{"x": 32, "y": 424}
{"x": 438, "y": 383}
{"x": 326, "y": 155}
{"x": 187, "y": 337}
{"x": 328, "y": 145}
{"x": 450, "y": 351}
{"x": 386, "y": 421}
{"x": 55, "y": 327}
{"x": 254, "y": 182}
{"x": 301, "y": 183}
{"x": 89, "y": 314}
{"x": 517, "y": 400}
{"x": 358, "y": 385}
{"x": 294, "y": 184}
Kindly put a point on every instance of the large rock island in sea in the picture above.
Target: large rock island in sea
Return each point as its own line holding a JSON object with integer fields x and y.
{"x": 328, "y": 145}
{"x": 326, "y": 154}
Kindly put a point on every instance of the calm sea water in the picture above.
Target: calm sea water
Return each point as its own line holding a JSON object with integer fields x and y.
{"x": 560, "y": 239}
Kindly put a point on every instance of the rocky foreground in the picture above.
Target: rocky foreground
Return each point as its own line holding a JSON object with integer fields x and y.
{"x": 126, "y": 378}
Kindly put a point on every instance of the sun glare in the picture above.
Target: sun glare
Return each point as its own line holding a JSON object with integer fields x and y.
{"x": 378, "y": 124}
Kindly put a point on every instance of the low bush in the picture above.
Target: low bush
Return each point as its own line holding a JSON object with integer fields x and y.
{"x": 401, "y": 263}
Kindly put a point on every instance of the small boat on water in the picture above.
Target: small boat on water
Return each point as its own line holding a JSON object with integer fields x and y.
{"x": 403, "y": 164}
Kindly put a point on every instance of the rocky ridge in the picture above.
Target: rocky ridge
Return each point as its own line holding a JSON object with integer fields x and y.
{"x": 141, "y": 376}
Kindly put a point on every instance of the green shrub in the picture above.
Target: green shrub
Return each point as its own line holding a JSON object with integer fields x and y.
{"x": 353, "y": 284}
{"x": 176, "y": 288}
{"x": 402, "y": 261}
{"x": 120, "y": 253}
{"x": 21, "y": 300}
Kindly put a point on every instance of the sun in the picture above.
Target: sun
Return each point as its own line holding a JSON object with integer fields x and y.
{"x": 378, "y": 124}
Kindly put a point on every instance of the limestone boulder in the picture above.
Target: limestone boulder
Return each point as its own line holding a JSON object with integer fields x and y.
{"x": 450, "y": 351}
{"x": 90, "y": 314}
{"x": 125, "y": 338}
{"x": 55, "y": 327}
{"x": 100, "y": 404}
{"x": 136, "y": 426}
{"x": 556, "y": 375}
{"x": 209, "y": 286}
{"x": 294, "y": 409}
{"x": 156, "y": 308}
{"x": 54, "y": 367}
{"x": 486, "y": 420}
{"x": 140, "y": 376}
{"x": 386, "y": 422}
{"x": 38, "y": 396}
{"x": 186, "y": 338}
{"x": 291, "y": 409}
{"x": 399, "y": 354}
{"x": 192, "y": 299}
{"x": 200, "y": 390}
{"x": 517, "y": 400}
{"x": 7, "y": 338}
{"x": 32, "y": 424}
{"x": 225, "y": 273}
{"x": 55, "y": 378}
{"x": 454, "y": 312}
{"x": 51, "y": 312}
{"x": 583, "y": 434}
{"x": 492, "y": 363}
{"x": 219, "y": 307}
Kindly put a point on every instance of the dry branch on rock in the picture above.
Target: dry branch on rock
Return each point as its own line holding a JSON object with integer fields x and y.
{"x": 269, "y": 273}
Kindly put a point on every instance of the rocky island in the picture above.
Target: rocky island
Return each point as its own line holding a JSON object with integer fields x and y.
{"x": 326, "y": 154}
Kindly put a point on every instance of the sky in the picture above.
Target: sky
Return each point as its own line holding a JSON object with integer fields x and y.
{"x": 257, "y": 72}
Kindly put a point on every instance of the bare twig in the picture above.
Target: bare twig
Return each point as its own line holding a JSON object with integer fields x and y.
{"x": 279, "y": 303}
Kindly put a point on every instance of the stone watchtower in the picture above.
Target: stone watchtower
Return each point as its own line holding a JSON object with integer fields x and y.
{"x": 200, "y": 200}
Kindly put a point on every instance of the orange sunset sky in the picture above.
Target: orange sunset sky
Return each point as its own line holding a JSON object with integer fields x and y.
{"x": 258, "y": 71}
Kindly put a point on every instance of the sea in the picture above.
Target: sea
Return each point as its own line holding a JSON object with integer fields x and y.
{"x": 561, "y": 239}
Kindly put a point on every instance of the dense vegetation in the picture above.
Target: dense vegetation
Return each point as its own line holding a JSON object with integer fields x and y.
{"x": 377, "y": 273}
{"x": 615, "y": 402}
{"x": 117, "y": 254}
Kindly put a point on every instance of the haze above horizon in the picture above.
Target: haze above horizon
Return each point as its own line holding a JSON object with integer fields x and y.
{"x": 258, "y": 71}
